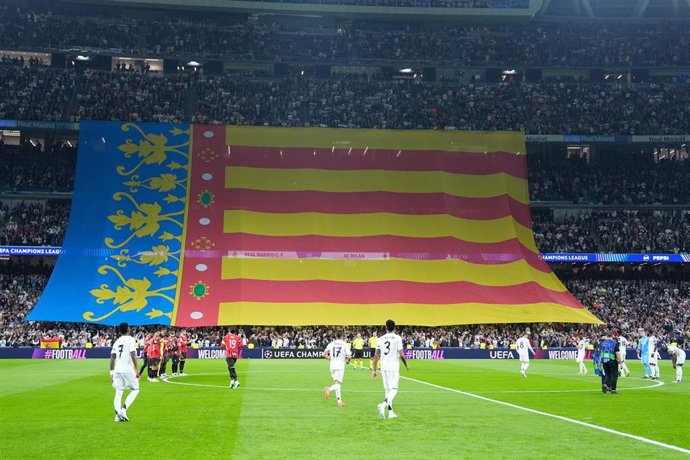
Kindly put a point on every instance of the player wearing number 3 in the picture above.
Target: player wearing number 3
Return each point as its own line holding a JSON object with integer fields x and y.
{"x": 389, "y": 350}
{"x": 339, "y": 355}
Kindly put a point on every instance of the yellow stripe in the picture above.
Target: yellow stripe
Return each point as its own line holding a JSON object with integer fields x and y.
{"x": 375, "y": 224}
{"x": 285, "y": 314}
{"x": 450, "y": 141}
{"x": 373, "y": 270}
{"x": 463, "y": 185}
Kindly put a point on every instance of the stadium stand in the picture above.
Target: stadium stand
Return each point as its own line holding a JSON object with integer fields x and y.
{"x": 622, "y": 301}
{"x": 619, "y": 194}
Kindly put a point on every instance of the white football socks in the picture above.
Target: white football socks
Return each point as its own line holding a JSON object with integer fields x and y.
{"x": 118, "y": 400}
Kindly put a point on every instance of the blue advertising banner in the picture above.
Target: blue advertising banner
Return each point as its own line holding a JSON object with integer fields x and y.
{"x": 548, "y": 257}
{"x": 311, "y": 353}
{"x": 623, "y": 258}
{"x": 30, "y": 251}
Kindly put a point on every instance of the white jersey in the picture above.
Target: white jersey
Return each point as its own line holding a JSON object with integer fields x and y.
{"x": 623, "y": 346}
{"x": 679, "y": 354}
{"x": 652, "y": 346}
{"x": 581, "y": 347}
{"x": 523, "y": 347}
{"x": 122, "y": 349}
{"x": 389, "y": 346}
{"x": 338, "y": 352}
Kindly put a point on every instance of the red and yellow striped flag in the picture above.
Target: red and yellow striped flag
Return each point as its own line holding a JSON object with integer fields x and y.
{"x": 308, "y": 226}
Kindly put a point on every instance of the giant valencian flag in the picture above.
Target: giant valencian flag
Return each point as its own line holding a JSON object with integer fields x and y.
{"x": 206, "y": 225}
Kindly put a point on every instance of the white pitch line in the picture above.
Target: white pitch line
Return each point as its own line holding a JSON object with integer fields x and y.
{"x": 588, "y": 390}
{"x": 558, "y": 417}
{"x": 307, "y": 390}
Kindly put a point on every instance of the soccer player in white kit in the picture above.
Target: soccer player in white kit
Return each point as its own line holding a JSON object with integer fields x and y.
{"x": 123, "y": 372}
{"x": 623, "y": 344}
{"x": 339, "y": 355}
{"x": 678, "y": 356}
{"x": 523, "y": 348}
{"x": 389, "y": 350}
{"x": 653, "y": 357}
{"x": 581, "y": 348}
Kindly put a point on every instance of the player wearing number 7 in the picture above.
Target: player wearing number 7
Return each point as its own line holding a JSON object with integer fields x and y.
{"x": 339, "y": 355}
{"x": 389, "y": 350}
{"x": 123, "y": 372}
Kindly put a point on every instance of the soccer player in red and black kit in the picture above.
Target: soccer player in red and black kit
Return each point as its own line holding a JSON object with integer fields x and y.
{"x": 174, "y": 347}
{"x": 165, "y": 354}
{"x": 182, "y": 343}
{"x": 178, "y": 352}
{"x": 232, "y": 344}
{"x": 153, "y": 354}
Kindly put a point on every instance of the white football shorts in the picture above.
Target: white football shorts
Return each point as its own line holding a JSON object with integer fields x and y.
{"x": 390, "y": 380}
{"x": 338, "y": 374}
{"x": 124, "y": 381}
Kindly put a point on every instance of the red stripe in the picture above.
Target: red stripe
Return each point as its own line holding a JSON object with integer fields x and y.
{"x": 477, "y": 163}
{"x": 399, "y": 246}
{"x": 367, "y": 202}
{"x": 204, "y": 311}
{"x": 244, "y": 290}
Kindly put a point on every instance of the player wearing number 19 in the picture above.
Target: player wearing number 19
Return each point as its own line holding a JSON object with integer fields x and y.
{"x": 232, "y": 344}
{"x": 389, "y": 350}
{"x": 339, "y": 355}
{"x": 123, "y": 372}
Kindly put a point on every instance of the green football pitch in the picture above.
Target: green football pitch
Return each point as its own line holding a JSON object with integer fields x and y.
{"x": 446, "y": 409}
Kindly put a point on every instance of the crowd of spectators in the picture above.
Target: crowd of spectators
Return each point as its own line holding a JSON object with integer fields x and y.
{"x": 629, "y": 305}
{"x": 13, "y": 25}
{"x": 102, "y": 33}
{"x": 637, "y": 231}
{"x": 624, "y": 231}
{"x": 357, "y": 104}
{"x": 40, "y": 223}
{"x": 628, "y": 300}
{"x": 34, "y": 93}
{"x": 130, "y": 96}
{"x": 563, "y": 233}
{"x": 35, "y": 168}
{"x": 49, "y": 94}
{"x": 607, "y": 108}
{"x": 235, "y": 37}
{"x": 612, "y": 178}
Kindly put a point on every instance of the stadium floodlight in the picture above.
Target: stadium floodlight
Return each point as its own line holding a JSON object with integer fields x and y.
{"x": 405, "y": 70}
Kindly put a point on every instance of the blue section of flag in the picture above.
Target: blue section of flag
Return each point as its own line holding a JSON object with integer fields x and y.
{"x": 122, "y": 248}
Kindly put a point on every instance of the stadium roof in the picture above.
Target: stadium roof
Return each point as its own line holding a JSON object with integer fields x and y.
{"x": 542, "y": 10}
{"x": 610, "y": 9}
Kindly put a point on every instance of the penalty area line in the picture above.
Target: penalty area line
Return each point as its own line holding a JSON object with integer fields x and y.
{"x": 558, "y": 417}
